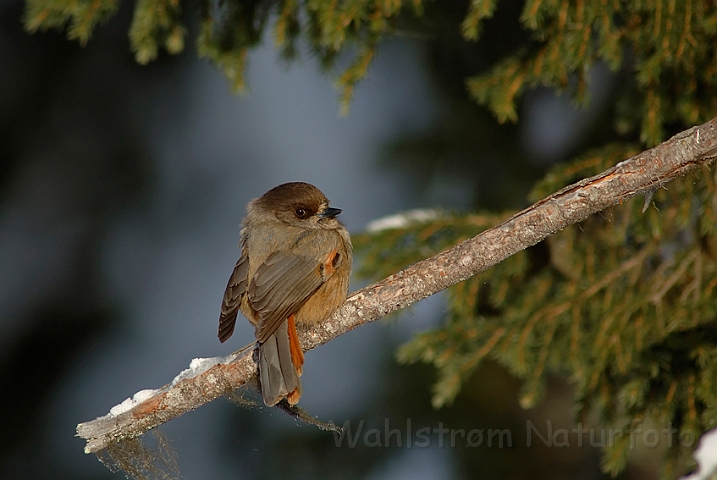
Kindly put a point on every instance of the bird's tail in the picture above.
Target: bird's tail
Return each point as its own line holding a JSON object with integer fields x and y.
{"x": 280, "y": 365}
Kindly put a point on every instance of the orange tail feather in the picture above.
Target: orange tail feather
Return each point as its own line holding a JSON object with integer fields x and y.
{"x": 297, "y": 354}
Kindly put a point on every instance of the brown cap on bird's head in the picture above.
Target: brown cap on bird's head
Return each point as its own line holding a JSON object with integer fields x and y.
{"x": 296, "y": 203}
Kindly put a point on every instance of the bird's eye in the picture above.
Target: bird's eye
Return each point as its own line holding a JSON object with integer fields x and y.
{"x": 300, "y": 212}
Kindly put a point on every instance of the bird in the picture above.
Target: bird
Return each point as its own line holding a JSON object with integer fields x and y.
{"x": 293, "y": 271}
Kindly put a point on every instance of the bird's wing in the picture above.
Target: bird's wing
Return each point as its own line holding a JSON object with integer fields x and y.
{"x": 280, "y": 287}
{"x": 232, "y": 298}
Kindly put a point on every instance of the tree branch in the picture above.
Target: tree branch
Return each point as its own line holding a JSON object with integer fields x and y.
{"x": 212, "y": 378}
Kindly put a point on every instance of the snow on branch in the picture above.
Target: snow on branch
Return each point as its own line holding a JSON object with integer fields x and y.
{"x": 208, "y": 379}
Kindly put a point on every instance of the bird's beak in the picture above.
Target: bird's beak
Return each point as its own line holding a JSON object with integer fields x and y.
{"x": 329, "y": 213}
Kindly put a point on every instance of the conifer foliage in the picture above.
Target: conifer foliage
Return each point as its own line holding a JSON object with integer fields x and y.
{"x": 670, "y": 45}
{"x": 624, "y": 304}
